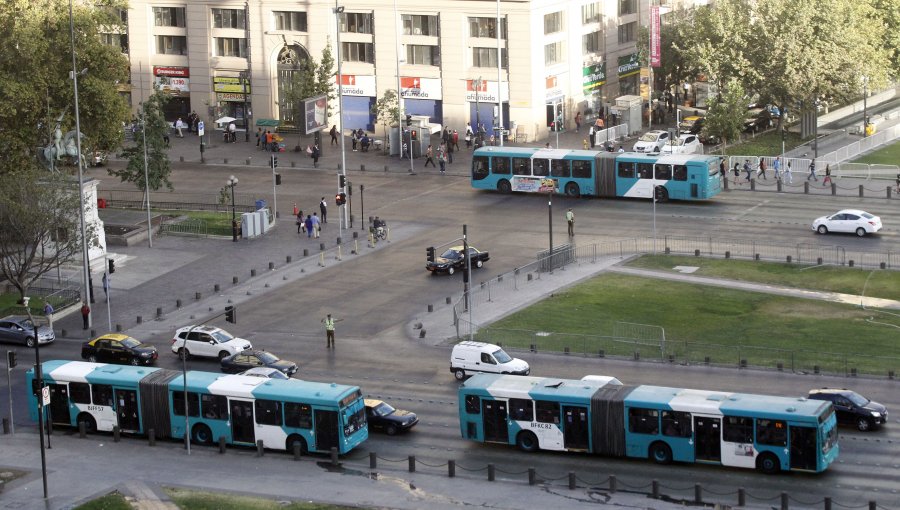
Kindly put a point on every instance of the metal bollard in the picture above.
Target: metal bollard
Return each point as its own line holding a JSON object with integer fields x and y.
{"x": 889, "y": 191}
{"x": 827, "y": 502}
{"x": 93, "y": 332}
{"x": 5, "y": 426}
{"x": 151, "y": 437}
{"x": 334, "y": 456}
{"x": 298, "y": 450}
{"x": 727, "y": 254}
{"x": 321, "y": 246}
{"x": 491, "y": 474}
{"x": 834, "y": 189}
{"x": 612, "y": 483}
{"x": 447, "y": 300}
{"x": 654, "y": 489}
{"x": 532, "y": 476}
{"x": 288, "y": 259}
{"x": 698, "y": 493}
{"x": 118, "y": 328}
{"x": 216, "y": 288}
{"x": 305, "y": 252}
{"x": 222, "y": 445}
{"x": 140, "y": 319}
{"x": 117, "y": 435}
{"x": 742, "y": 497}
{"x": 234, "y": 280}
{"x": 259, "y": 448}
{"x": 252, "y": 273}
{"x": 430, "y": 308}
{"x": 412, "y": 463}
{"x": 778, "y": 186}
{"x": 82, "y": 430}
{"x": 226, "y": 161}
{"x": 806, "y": 188}
{"x": 158, "y": 311}
{"x": 571, "y": 480}
{"x": 198, "y": 295}
{"x": 373, "y": 460}
{"x": 785, "y": 504}
{"x": 451, "y": 468}
{"x": 293, "y": 164}
{"x": 271, "y": 266}
{"x": 177, "y": 303}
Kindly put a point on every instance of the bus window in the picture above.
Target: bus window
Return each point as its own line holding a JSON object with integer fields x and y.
{"x": 521, "y": 166}
{"x": 102, "y": 394}
{"x": 268, "y": 412}
{"x": 737, "y": 429}
{"x": 215, "y": 407}
{"x": 643, "y": 421}
{"x": 771, "y": 432}
{"x": 626, "y": 170}
{"x": 541, "y": 167}
{"x": 559, "y": 168}
{"x": 80, "y": 393}
{"x": 473, "y": 404}
{"x": 663, "y": 172}
{"x": 581, "y": 170}
{"x": 645, "y": 170}
{"x": 676, "y": 424}
{"x": 479, "y": 168}
{"x": 547, "y": 412}
{"x": 178, "y": 403}
{"x": 521, "y": 409}
{"x": 500, "y": 166}
{"x": 679, "y": 172}
{"x": 298, "y": 416}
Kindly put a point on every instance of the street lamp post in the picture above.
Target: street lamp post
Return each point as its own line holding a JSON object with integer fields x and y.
{"x": 478, "y": 136}
{"x": 865, "y": 106}
{"x": 39, "y": 377}
{"x": 231, "y": 183}
{"x": 338, "y": 11}
{"x": 86, "y": 270}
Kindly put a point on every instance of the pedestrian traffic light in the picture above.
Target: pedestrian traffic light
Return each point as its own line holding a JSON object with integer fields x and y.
{"x": 11, "y": 361}
{"x": 414, "y": 134}
{"x": 278, "y": 179}
{"x": 230, "y": 314}
{"x": 112, "y": 266}
{"x": 430, "y": 253}
{"x": 274, "y": 162}
{"x": 408, "y": 120}
{"x": 342, "y": 181}
{"x": 349, "y": 188}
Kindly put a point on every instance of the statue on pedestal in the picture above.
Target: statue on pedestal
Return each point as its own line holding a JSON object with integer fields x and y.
{"x": 61, "y": 146}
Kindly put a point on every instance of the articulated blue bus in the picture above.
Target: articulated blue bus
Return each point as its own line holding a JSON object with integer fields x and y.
{"x": 592, "y": 173}
{"x": 768, "y": 433}
{"x": 243, "y": 409}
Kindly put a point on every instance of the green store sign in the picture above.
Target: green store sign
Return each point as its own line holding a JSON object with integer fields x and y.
{"x": 629, "y": 65}
{"x": 593, "y": 76}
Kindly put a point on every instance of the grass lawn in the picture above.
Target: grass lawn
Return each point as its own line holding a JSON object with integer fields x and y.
{"x": 699, "y": 321}
{"x": 195, "y": 500}
{"x": 766, "y": 144}
{"x": 889, "y": 155}
{"x": 217, "y": 223}
{"x": 9, "y": 306}
{"x": 881, "y": 284}
{"x": 112, "y": 501}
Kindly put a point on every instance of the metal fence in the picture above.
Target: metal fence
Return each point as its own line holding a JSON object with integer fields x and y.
{"x": 648, "y": 342}
{"x": 193, "y": 227}
{"x": 176, "y": 201}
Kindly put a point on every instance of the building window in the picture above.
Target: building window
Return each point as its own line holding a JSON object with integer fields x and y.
{"x": 357, "y": 23}
{"x": 592, "y": 42}
{"x": 487, "y": 57}
{"x": 358, "y": 52}
{"x": 553, "y": 53}
{"x": 168, "y": 16}
{"x": 228, "y": 18}
{"x": 414, "y": 24}
{"x": 553, "y": 22}
{"x": 627, "y": 32}
{"x": 119, "y": 41}
{"x": 231, "y": 47}
{"x": 290, "y": 21}
{"x": 486, "y": 27}
{"x": 423, "y": 55}
{"x": 626, "y": 7}
{"x": 592, "y": 13}
{"x": 171, "y": 45}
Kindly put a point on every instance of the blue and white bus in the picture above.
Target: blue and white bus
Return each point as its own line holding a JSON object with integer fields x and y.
{"x": 768, "y": 433}
{"x": 592, "y": 173}
{"x": 243, "y": 409}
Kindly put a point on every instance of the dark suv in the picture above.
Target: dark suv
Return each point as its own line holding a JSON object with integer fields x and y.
{"x": 852, "y": 408}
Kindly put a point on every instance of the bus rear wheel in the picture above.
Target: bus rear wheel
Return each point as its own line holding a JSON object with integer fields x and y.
{"x": 90, "y": 424}
{"x": 660, "y": 453}
{"x": 572, "y": 189}
{"x": 661, "y": 194}
{"x": 503, "y": 186}
{"x": 768, "y": 464}
{"x": 527, "y": 442}
{"x": 295, "y": 439}
{"x": 201, "y": 434}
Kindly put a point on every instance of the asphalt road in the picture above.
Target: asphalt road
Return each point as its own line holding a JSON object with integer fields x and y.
{"x": 378, "y": 293}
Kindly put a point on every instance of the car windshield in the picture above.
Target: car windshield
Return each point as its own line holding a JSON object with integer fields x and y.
{"x": 680, "y": 141}
{"x": 267, "y": 358}
{"x": 27, "y": 324}
{"x": 501, "y": 356}
{"x": 221, "y": 336}
{"x": 451, "y": 255}
{"x": 130, "y": 342}
{"x": 648, "y": 137}
{"x": 857, "y": 399}
{"x": 383, "y": 409}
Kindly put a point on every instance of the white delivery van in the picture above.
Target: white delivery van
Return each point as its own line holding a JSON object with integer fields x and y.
{"x": 471, "y": 357}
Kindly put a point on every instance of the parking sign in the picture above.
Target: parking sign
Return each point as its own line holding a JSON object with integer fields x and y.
{"x": 45, "y": 395}
{"x": 200, "y": 128}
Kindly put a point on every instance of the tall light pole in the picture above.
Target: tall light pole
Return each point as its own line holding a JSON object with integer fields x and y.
{"x": 86, "y": 262}
{"x": 231, "y": 183}
{"x": 865, "y": 106}
{"x": 338, "y": 12}
{"x": 499, "y": 79}
{"x": 39, "y": 377}
{"x": 478, "y": 136}
{"x": 146, "y": 171}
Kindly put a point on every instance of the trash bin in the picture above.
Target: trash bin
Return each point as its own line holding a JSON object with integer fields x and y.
{"x": 101, "y": 203}
{"x": 260, "y": 204}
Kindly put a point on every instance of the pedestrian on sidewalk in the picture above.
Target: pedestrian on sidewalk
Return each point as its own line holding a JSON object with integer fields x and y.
{"x": 591, "y": 132}
{"x": 85, "y": 314}
{"x": 787, "y": 173}
{"x": 105, "y": 284}
{"x": 329, "y": 330}
{"x": 776, "y": 165}
{"x": 737, "y": 173}
{"x": 301, "y": 222}
{"x": 429, "y": 156}
{"x": 762, "y": 169}
{"x": 316, "y": 154}
{"x": 455, "y": 139}
{"x": 723, "y": 169}
{"x": 748, "y": 170}
{"x": 48, "y": 313}
{"x": 308, "y": 225}
{"x": 260, "y": 136}
{"x": 469, "y": 135}
{"x": 812, "y": 171}
{"x": 316, "y": 226}
{"x": 323, "y": 210}
{"x": 827, "y": 178}
{"x": 179, "y": 125}
{"x": 570, "y": 219}
{"x": 333, "y": 134}
{"x": 577, "y": 121}
{"x": 450, "y": 152}
{"x": 442, "y": 160}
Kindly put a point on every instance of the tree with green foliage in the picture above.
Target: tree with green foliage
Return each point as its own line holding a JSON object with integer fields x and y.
{"x": 35, "y": 76}
{"x": 725, "y": 117}
{"x": 154, "y": 129}
{"x": 310, "y": 79}
{"x": 674, "y": 68}
{"x": 386, "y": 110}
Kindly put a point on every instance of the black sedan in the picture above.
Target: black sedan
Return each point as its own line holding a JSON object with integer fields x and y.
{"x": 252, "y": 358}
{"x": 120, "y": 349}
{"x": 382, "y": 416}
{"x": 454, "y": 259}
{"x": 852, "y": 408}
{"x": 20, "y": 330}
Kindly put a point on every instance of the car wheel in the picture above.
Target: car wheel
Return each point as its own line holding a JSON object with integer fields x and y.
{"x": 223, "y": 355}
{"x": 768, "y": 464}
{"x": 450, "y": 270}
{"x": 503, "y": 186}
{"x": 822, "y": 229}
{"x": 29, "y": 342}
{"x": 90, "y": 425}
{"x": 660, "y": 453}
{"x": 391, "y": 430}
{"x": 135, "y": 362}
{"x": 479, "y": 263}
{"x": 527, "y": 442}
{"x": 184, "y": 353}
{"x": 863, "y": 424}
{"x": 201, "y": 435}
{"x": 459, "y": 374}
{"x": 92, "y": 358}
{"x": 860, "y": 232}
{"x": 295, "y": 439}
{"x": 572, "y": 189}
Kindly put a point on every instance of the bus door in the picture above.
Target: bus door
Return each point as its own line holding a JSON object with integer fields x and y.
{"x": 493, "y": 413}
{"x": 575, "y": 427}
{"x": 59, "y": 404}
{"x": 707, "y": 438}
{"x": 127, "y": 410}
{"x": 803, "y": 448}
{"x": 242, "y": 422}
{"x": 326, "y": 430}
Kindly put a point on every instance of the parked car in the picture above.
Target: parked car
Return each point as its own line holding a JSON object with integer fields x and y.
{"x": 848, "y": 220}
{"x": 266, "y": 372}
{"x": 120, "y": 349}
{"x": 684, "y": 144}
{"x": 454, "y": 259}
{"x": 382, "y": 416}
{"x": 691, "y": 125}
{"x": 470, "y": 357}
{"x": 207, "y": 341}
{"x": 759, "y": 119}
{"x": 852, "y": 408}
{"x": 253, "y": 358}
{"x": 652, "y": 141}
{"x": 19, "y": 329}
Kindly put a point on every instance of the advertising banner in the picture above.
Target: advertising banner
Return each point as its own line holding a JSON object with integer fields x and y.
{"x": 629, "y": 65}
{"x": 316, "y": 109}
{"x": 420, "y": 88}
{"x": 356, "y": 85}
{"x": 230, "y": 84}
{"x": 487, "y": 93}
{"x": 655, "y": 57}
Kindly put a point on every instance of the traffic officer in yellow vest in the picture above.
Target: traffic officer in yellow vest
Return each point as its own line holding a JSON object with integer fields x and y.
{"x": 329, "y": 330}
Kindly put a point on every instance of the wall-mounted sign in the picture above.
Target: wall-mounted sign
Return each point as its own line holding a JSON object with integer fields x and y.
{"x": 172, "y": 85}
{"x": 229, "y": 84}
{"x": 487, "y": 93}
{"x": 356, "y": 85}
{"x": 180, "y": 72}
{"x": 629, "y": 65}
{"x": 420, "y": 88}
{"x": 230, "y": 97}
{"x": 593, "y": 76}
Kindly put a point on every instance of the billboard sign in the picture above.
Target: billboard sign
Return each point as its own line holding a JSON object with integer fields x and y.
{"x": 315, "y": 113}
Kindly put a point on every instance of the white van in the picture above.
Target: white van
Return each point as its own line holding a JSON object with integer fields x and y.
{"x": 470, "y": 357}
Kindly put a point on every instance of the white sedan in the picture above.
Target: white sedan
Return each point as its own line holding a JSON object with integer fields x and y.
{"x": 848, "y": 220}
{"x": 684, "y": 144}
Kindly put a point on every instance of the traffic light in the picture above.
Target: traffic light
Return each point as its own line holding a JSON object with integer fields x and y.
{"x": 230, "y": 314}
{"x": 112, "y": 266}
{"x": 11, "y": 359}
{"x": 274, "y": 162}
{"x": 342, "y": 181}
{"x": 408, "y": 120}
{"x": 430, "y": 253}
{"x": 349, "y": 188}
